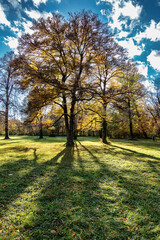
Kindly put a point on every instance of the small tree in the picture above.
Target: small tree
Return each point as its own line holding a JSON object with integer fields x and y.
{"x": 7, "y": 87}
{"x": 135, "y": 91}
{"x": 108, "y": 68}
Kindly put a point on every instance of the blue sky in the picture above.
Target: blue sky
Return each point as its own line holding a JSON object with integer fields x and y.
{"x": 136, "y": 24}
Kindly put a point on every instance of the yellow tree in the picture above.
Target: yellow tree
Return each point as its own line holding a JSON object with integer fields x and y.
{"x": 60, "y": 54}
{"x": 108, "y": 67}
{"x": 135, "y": 91}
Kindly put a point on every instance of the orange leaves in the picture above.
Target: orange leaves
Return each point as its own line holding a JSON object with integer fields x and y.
{"x": 90, "y": 229}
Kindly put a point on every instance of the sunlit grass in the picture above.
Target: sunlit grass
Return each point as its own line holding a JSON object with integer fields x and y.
{"x": 93, "y": 191}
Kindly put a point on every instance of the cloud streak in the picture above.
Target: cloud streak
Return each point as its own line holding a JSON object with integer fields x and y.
{"x": 38, "y": 2}
{"x": 154, "y": 60}
{"x": 151, "y": 32}
{"x": 35, "y": 14}
{"x": 3, "y": 19}
{"x": 121, "y": 9}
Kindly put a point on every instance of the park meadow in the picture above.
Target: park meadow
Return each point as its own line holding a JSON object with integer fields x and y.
{"x": 88, "y": 191}
{"x": 79, "y": 136}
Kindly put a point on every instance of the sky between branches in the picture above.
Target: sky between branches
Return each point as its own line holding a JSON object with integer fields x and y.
{"x": 136, "y": 24}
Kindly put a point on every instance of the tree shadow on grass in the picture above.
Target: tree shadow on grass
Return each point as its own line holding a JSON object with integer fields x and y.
{"x": 16, "y": 149}
{"x": 84, "y": 203}
{"x": 71, "y": 203}
{"x": 7, "y": 143}
{"x": 132, "y": 152}
{"x": 11, "y": 182}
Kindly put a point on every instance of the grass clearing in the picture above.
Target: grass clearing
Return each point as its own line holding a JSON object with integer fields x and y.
{"x": 91, "y": 191}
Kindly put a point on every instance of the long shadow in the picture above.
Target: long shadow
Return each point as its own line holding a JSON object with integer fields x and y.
{"x": 6, "y": 143}
{"x": 139, "y": 193}
{"x": 79, "y": 159}
{"x": 12, "y": 184}
{"x": 17, "y": 149}
{"x": 137, "y": 153}
{"x": 73, "y": 205}
{"x": 146, "y": 144}
{"x": 72, "y": 200}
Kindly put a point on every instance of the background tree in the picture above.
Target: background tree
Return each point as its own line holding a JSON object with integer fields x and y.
{"x": 8, "y": 87}
{"x": 127, "y": 102}
{"x": 153, "y": 106}
{"x": 108, "y": 65}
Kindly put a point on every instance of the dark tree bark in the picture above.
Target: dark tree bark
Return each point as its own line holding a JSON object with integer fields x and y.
{"x": 104, "y": 125}
{"x": 69, "y": 125}
{"x": 104, "y": 131}
{"x": 130, "y": 119}
{"x": 7, "y": 86}
{"x": 6, "y": 110}
{"x": 6, "y": 122}
{"x": 40, "y": 129}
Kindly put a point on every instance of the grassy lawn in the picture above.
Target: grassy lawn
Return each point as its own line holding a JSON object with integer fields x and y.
{"x": 90, "y": 192}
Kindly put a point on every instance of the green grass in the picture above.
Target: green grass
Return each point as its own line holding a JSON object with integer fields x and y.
{"x": 91, "y": 191}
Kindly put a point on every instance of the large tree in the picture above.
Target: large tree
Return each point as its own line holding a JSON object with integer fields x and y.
{"x": 7, "y": 87}
{"x": 60, "y": 55}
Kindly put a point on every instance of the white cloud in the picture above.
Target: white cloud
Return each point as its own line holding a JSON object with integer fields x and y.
{"x": 122, "y": 8}
{"x": 59, "y": 1}
{"x": 133, "y": 50}
{"x": 3, "y": 19}
{"x": 122, "y": 34}
{"x": 142, "y": 68}
{"x": 12, "y": 42}
{"x": 154, "y": 59}
{"x": 151, "y": 32}
{"x": 27, "y": 26}
{"x": 131, "y": 11}
{"x": 17, "y": 31}
{"x": 34, "y": 14}
{"x": 149, "y": 86}
{"x": 38, "y": 2}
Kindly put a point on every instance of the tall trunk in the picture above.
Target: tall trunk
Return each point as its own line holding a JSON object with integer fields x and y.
{"x": 104, "y": 131}
{"x": 6, "y": 112}
{"x": 104, "y": 126}
{"x": 6, "y": 122}
{"x": 72, "y": 121}
{"x": 130, "y": 119}
{"x": 40, "y": 129}
{"x": 69, "y": 131}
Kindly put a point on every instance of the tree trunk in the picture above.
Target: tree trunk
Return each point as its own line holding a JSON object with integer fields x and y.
{"x": 6, "y": 122}
{"x": 104, "y": 131}
{"x": 72, "y": 123}
{"x": 130, "y": 119}
{"x": 6, "y": 113}
{"x": 104, "y": 125}
{"x": 69, "y": 131}
{"x": 40, "y": 129}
